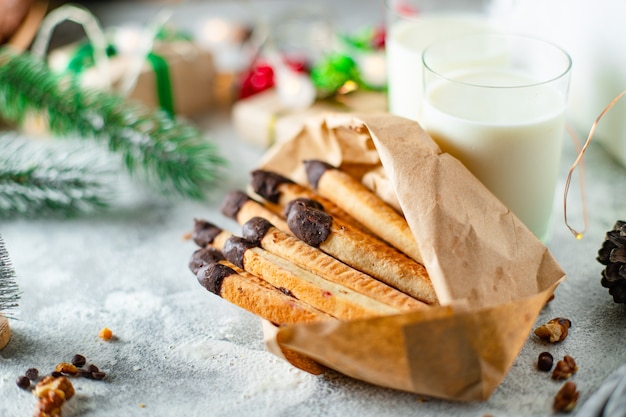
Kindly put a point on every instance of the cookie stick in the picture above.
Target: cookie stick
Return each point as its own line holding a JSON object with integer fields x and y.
{"x": 360, "y": 250}
{"x": 312, "y": 259}
{"x": 279, "y": 190}
{"x": 281, "y": 307}
{"x": 362, "y": 204}
{"x": 205, "y": 233}
{"x": 240, "y": 207}
{"x": 332, "y": 298}
{"x": 249, "y": 292}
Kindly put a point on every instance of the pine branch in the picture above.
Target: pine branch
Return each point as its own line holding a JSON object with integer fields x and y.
{"x": 9, "y": 292}
{"x": 170, "y": 154}
{"x": 40, "y": 180}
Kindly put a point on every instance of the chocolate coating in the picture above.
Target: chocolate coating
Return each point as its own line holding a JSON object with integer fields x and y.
{"x": 309, "y": 224}
{"x": 266, "y": 184}
{"x": 204, "y": 256}
{"x": 255, "y": 229}
{"x": 314, "y": 171}
{"x": 304, "y": 201}
{"x": 233, "y": 202}
{"x": 211, "y": 276}
{"x": 234, "y": 249}
{"x": 204, "y": 232}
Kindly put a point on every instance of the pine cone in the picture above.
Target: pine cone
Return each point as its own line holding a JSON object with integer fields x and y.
{"x": 612, "y": 254}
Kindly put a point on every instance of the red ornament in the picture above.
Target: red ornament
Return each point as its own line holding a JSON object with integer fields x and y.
{"x": 259, "y": 78}
{"x": 378, "y": 38}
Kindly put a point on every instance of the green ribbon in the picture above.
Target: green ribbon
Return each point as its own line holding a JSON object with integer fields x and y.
{"x": 83, "y": 59}
{"x": 163, "y": 83}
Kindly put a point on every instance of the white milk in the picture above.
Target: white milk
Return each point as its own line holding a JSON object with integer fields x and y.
{"x": 511, "y": 143}
{"x": 406, "y": 40}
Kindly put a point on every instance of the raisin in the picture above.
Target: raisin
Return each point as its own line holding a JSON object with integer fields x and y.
{"x": 545, "y": 361}
{"x": 23, "y": 382}
{"x": 32, "y": 374}
{"x": 79, "y": 360}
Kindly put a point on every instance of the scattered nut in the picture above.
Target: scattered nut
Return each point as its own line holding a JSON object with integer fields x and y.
{"x": 66, "y": 368}
{"x": 52, "y": 393}
{"x": 55, "y": 389}
{"x": 50, "y": 383}
{"x": 570, "y": 362}
{"x": 565, "y": 400}
{"x": 79, "y": 360}
{"x": 555, "y": 330}
{"x": 105, "y": 334}
{"x": 50, "y": 404}
{"x": 564, "y": 368}
{"x": 23, "y": 382}
{"x": 545, "y": 361}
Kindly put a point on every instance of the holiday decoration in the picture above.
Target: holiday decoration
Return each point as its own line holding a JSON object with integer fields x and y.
{"x": 612, "y": 255}
{"x": 9, "y": 294}
{"x": 263, "y": 118}
{"x": 334, "y": 72}
{"x": 176, "y": 76}
{"x": 347, "y": 63}
{"x": 172, "y": 155}
{"x": 261, "y": 76}
{"x": 282, "y": 89}
{"x": 366, "y": 47}
{"x": 9, "y": 291}
{"x": 155, "y": 65}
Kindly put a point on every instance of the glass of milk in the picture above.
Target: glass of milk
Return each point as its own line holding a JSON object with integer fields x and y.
{"x": 412, "y": 25}
{"x": 497, "y": 103}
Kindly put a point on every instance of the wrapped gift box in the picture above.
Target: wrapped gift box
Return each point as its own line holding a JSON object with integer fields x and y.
{"x": 263, "y": 120}
{"x": 178, "y": 75}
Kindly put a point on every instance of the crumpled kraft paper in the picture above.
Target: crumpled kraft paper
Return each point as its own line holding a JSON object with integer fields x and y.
{"x": 491, "y": 274}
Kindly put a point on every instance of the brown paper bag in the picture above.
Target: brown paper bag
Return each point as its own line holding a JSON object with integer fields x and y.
{"x": 491, "y": 275}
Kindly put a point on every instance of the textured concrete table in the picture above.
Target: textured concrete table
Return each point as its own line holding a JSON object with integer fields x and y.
{"x": 179, "y": 350}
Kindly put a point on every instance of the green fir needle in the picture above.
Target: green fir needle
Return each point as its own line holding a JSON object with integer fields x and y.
{"x": 42, "y": 178}
{"x": 170, "y": 154}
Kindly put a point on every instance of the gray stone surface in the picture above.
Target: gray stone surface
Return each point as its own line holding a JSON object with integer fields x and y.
{"x": 179, "y": 350}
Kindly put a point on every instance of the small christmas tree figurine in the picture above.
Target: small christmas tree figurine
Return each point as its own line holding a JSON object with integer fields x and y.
{"x": 9, "y": 294}
{"x": 168, "y": 153}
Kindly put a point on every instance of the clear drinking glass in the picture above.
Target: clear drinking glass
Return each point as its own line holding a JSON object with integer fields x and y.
{"x": 497, "y": 103}
{"x": 412, "y": 25}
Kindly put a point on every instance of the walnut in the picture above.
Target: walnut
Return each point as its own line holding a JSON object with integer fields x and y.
{"x": 565, "y": 400}
{"x": 52, "y": 393}
{"x": 555, "y": 330}
{"x": 51, "y": 402}
{"x": 564, "y": 368}
{"x": 50, "y": 383}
